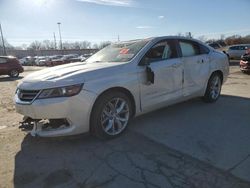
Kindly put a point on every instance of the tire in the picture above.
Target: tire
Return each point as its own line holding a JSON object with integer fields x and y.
{"x": 213, "y": 88}
{"x": 110, "y": 115}
{"x": 245, "y": 72}
{"x": 14, "y": 73}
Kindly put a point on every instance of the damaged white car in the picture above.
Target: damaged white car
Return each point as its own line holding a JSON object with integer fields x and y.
{"x": 119, "y": 82}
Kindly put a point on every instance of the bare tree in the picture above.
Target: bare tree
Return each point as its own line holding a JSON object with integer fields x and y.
{"x": 67, "y": 45}
{"x": 24, "y": 46}
{"x": 80, "y": 45}
{"x": 180, "y": 34}
{"x": 36, "y": 45}
{"x": 76, "y": 45}
{"x": 85, "y": 44}
{"x": 6, "y": 43}
{"x": 222, "y": 37}
{"x": 202, "y": 38}
{"x": 47, "y": 45}
{"x": 95, "y": 46}
{"x": 104, "y": 44}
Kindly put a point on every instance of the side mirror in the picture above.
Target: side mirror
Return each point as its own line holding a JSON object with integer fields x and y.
{"x": 150, "y": 75}
{"x": 149, "y": 72}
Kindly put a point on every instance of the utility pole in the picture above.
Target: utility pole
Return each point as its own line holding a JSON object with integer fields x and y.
{"x": 59, "y": 28}
{"x": 118, "y": 38}
{"x": 54, "y": 40}
{"x": 4, "y": 50}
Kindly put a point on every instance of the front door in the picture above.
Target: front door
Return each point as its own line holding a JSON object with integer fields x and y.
{"x": 167, "y": 68}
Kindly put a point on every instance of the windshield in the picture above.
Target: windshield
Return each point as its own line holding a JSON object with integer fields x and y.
{"x": 118, "y": 52}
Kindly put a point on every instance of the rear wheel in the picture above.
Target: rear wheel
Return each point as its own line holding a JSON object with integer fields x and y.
{"x": 213, "y": 88}
{"x": 14, "y": 73}
{"x": 111, "y": 114}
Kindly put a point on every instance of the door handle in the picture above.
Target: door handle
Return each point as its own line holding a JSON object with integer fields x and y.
{"x": 176, "y": 65}
{"x": 200, "y": 61}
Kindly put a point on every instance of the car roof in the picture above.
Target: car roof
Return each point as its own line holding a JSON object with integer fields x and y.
{"x": 163, "y": 38}
{"x": 8, "y": 57}
{"x": 175, "y": 37}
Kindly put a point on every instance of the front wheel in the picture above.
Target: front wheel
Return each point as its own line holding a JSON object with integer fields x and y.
{"x": 111, "y": 114}
{"x": 213, "y": 88}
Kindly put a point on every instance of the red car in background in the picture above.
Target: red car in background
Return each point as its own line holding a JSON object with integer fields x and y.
{"x": 245, "y": 62}
{"x": 10, "y": 66}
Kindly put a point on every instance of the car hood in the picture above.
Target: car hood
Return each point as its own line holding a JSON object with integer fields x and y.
{"x": 63, "y": 75}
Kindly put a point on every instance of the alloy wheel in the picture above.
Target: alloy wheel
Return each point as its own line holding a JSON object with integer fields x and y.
{"x": 115, "y": 116}
{"x": 215, "y": 87}
{"x": 14, "y": 73}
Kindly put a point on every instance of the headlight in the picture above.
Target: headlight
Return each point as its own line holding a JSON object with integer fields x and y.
{"x": 66, "y": 91}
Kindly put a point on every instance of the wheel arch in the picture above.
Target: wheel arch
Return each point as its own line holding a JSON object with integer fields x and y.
{"x": 213, "y": 72}
{"x": 121, "y": 89}
{"x": 220, "y": 73}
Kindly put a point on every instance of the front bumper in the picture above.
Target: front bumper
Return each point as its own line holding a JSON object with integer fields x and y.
{"x": 76, "y": 110}
{"x": 20, "y": 69}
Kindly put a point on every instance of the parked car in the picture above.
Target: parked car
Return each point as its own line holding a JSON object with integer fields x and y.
{"x": 245, "y": 62}
{"x": 219, "y": 47}
{"x": 27, "y": 61}
{"x": 10, "y": 66}
{"x": 40, "y": 60}
{"x": 215, "y": 45}
{"x": 82, "y": 58}
{"x": 121, "y": 81}
{"x": 65, "y": 59}
{"x": 51, "y": 58}
{"x": 87, "y": 55}
{"x": 236, "y": 51}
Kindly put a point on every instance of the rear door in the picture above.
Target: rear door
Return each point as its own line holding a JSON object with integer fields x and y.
{"x": 196, "y": 66}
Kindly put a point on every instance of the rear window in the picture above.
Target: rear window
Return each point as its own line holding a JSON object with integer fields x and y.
{"x": 204, "y": 49}
{"x": 234, "y": 48}
{"x": 242, "y": 47}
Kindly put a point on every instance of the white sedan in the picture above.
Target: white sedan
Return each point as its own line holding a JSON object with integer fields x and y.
{"x": 121, "y": 81}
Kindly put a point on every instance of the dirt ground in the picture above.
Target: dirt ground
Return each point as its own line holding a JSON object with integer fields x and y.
{"x": 132, "y": 160}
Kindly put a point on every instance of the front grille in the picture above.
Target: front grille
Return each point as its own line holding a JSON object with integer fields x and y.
{"x": 27, "y": 95}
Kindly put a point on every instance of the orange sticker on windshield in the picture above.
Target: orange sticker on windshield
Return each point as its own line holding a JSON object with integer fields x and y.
{"x": 124, "y": 51}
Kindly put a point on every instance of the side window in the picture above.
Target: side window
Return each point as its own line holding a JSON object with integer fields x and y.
{"x": 3, "y": 60}
{"x": 161, "y": 51}
{"x": 204, "y": 49}
{"x": 243, "y": 47}
{"x": 234, "y": 48}
{"x": 189, "y": 49}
